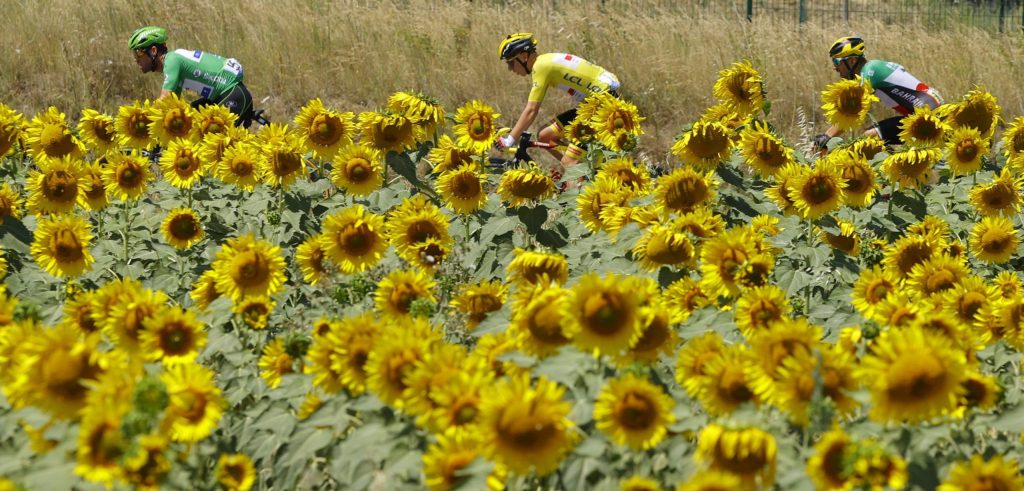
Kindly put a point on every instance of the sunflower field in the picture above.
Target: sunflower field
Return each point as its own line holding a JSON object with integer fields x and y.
{"x": 362, "y": 301}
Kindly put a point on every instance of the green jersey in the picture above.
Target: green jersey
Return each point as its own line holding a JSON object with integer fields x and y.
{"x": 897, "y": 88}
{"x": 207, "y": 74}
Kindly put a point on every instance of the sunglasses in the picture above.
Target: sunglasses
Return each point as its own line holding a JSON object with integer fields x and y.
{"x": 140, "y": 53}
{"x": 837, "y": 61}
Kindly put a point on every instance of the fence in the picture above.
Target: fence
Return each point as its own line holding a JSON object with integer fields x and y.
{"x": 994, "y": 15}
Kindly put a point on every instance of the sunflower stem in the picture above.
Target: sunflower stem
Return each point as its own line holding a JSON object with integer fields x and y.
{"x": 126, "y": 219}
{"x": 188, "y": 193}
{"x": 892, "y": 197}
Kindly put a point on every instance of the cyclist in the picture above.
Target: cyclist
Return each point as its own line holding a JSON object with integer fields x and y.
{"x": 565, "y": 72}
{"x": 893, "y": 85}
{"x": 216, "y": 79}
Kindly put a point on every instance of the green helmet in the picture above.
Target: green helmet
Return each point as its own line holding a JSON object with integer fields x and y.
{"x": 145, "y": 37}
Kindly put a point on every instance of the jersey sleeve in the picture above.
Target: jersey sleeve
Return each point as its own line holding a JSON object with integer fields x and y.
{"x": 172, "y": 73}
{"x": 540, "y": 80}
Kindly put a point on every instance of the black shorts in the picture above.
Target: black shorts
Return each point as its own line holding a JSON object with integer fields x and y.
{"x": 889, "y": 129}
{"x": 238, "y": 100}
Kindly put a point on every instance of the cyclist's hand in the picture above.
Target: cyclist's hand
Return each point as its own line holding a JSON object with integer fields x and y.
{"x": 504, "y": 141}
{"x": 821, "y": 142}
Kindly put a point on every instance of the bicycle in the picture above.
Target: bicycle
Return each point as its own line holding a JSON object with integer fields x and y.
{"x": 526, "y": 142}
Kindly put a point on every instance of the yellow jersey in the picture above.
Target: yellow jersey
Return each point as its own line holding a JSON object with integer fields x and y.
{"x": 570, "y": 74}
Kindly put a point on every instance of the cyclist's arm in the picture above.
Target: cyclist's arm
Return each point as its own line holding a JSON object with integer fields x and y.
{"x": 527, "y": 117}
{"x": 172, "y": 75}
{"x": 164, "y": 93}
{"x": 833, "y": 131}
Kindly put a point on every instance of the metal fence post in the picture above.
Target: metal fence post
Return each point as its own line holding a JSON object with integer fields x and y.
{"x": 803, "y": 11}
{"x": 846, "y": 11}
{"x": 750, "y": 10}
{"x": 1002, "y": 14}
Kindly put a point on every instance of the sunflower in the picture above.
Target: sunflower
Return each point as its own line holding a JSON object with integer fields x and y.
{"x": 275, "y": 361}
{"x": 602, "y": 314}
{"x": 246, "y": 266}
{"x": 146, "y": 465}
{"x": 725, "y": 114}
{"x": 353, "y": 239}
{"x": 530, "y": 267}
{"x": 519, "y": 187}
{"x": 462, "y": 189}
{"x": 724, "y": 259}
{"x": 763, "y": 151}
{"x": 241, "y": 165}
{"x": 94, "y": 196}
{"x": 1013, "y": 144}
{"x": 657, "y": 336}
{"x": 254, "y": 310}
{"x": 799, "y": 375}
{"x": 478, "y": 300}
{"x": 474, "y": 126}
{"x": 182, "y": 228}
{"x": 749, "y": 453}
{"x": 181, "y": 163}
{"x": 12, "y": 124}
{"x": 338, "y": 358}
{"x": 399, "y": 289}
{"x": 204, "y": 290}
{"x": 704, "y": 146}
{"x": 394, "y": 355}
{"x": 818, "y": 190}
{"x": 740, "y": 87}
{"x": 411, "y": 224}
{"x": 526, "y": 427}
{"x": 282, "y": 161}
{"x": 846, "y": 241}
{"x": 923, "y": 128}
{"x": 213, "y": 119}
{"x": 126, "y": 176}
{"x": 424, "y": 111}
{"x": 132, "y": 126}
{"x": 1001, "y": 197}
{"x": 912, "y": 375}
{"x": 783, "y": 339}
{"x": 10, "y": 202}
{"x": 173, "y": 335}
{"x": 685, "y": 189}
{"x": 457, "y": 403}
{"x": 639, "y": 483}
{"x": 908, "y": 251}
{"x": 53, "y": 369}
{"x": 662, "y": 245}
{"x": 123, "y": 310}
{"x": 616, "y": 122}
{"x": 994, "y": 239}
{"x": 759, "y": 307}
{"x": 48, "y": 136}
{"x": 235, "y": 472}
{"x": 215, "y": 144}
{"x": 444, "y": 459}
{"x": 538, "y": 324}
{"x": 447, "y": 155}
{"x": 968, "y": 298}
{"x": 310, "y": 257}
{"x": 780, "y": 192}
{"x": 60, "y": 246}
{"x": 1009, "y": 284}
{"x": 861, "y": 180}
{"x": 389, "y": 132}
{"x": 56, "y": 186}
{"x": 828, "y": 467}
{"x": 981, "y": 393}
{"x": 846, "y": 103}
{"x": 721, "y": 384}
{"x": 868, "y": 147}
{"x": 97, "y": 131}
{"x": 710, "y": 481}
{"x": 978, "y": 109}
{"x": 964, "y": 151}
{"x": 438, "y": 368}
{"x": 631, "y": 175}
{"x": 196, "y": 404}
{"x": 324, "y": 131}
{"x": 358, "y": 169}
{"x": 979, "y": 473}
{"x": 634, "y": 412}
{"x": 606, "y": 191}
{"x": 101, "y": 446}
{"x": 171, "y": 119}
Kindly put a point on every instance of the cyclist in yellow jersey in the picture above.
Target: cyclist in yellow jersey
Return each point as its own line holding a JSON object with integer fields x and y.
{"x": 562, "y": 71}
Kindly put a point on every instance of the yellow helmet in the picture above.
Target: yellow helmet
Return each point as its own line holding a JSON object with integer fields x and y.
{"x": 513, "y": 44}
{"x": 847, "y": 46}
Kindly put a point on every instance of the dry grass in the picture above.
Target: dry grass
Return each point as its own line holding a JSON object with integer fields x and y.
{"x": 354, "y": 54}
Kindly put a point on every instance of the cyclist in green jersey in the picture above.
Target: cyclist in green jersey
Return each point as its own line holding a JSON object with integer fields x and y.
{"x": 893, "y": 85}
{"x": 216, "y": 79}
{"x": 568, "y": 73}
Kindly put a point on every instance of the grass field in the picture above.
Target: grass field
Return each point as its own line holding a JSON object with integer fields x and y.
{"x": 351, "y": 54}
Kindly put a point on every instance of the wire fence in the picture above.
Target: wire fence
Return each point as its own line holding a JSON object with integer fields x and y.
{"x": 1005, "y": 16}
